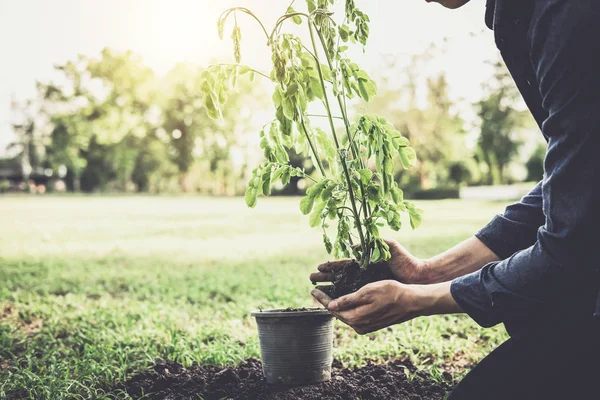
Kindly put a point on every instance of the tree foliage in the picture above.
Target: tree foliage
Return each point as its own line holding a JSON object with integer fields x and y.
{"x": 112, "y": 121}
{"x": 498, "y": 141}
{"x": 434, "y": 129}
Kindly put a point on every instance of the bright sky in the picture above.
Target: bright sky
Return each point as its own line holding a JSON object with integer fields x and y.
{"x": 36, "y": 34}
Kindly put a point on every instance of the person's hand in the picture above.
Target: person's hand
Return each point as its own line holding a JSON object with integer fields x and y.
{"x": 381, "y": 304}
{"x": 373, "y": 307}
{"x": 403, "y": 265}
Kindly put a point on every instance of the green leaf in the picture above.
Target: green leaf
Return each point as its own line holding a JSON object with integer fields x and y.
{"x": 326, "y": 72}
{"x": 315, "y": 191}
{"x": 277, "y": 173}
{"x": 373, "y": 193}
{"x": 371, "y": 88}
{"x": 243, "y": 69}
{"x": 332, "y": 208}
{"x": 291, "y": 90}
{"x": 363, "y": 91}
{"x": 285, "y": 176}
{"x": 276, "y": 98}
{"x": 289, "y": 109}
{"x": 311, "y": 5}
{"x": 297, "y": 20}
{"x": 316, "y": 216}
{"x": 306, "y": 204}
{"x": 327, "y": 243}
{"x": 316, "y": 87}
{"x": 344, "y": 32}
{"x": 400, "y": 141}
{"x": 326, "y": 145}
{"x": 266, "y": 182}
{"x": 250, "y": 196}
{"x": 397, "y": 195}
{"x": 328, "y": 190}
{"x": 301, "y": 97}
{"x": 211, "y": 109}
{"x": 284, "y": 124}
{"x": 365, "y": 175}
{"x": 376, "y": 256}
{"x": 222, "y": 96}
{"x": 361, "y": 75}
{"x": 221, "y": 27}
{"x": 408, "y": 157}
{"x": 415, "y": 215}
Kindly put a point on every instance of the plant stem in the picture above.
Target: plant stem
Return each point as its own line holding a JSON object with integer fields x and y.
{"x": 323, "y": 116}
{"x": 304, "y": 174}
{"x": 283, "y": 18}
{"x": 337, "y": 144}
{"x": 251, "y": 69}
{"x": 250, "y": 13}
{"x": 355, "y": 151}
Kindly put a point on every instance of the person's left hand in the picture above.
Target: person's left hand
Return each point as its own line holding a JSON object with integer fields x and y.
{"x": 375, "y": 306}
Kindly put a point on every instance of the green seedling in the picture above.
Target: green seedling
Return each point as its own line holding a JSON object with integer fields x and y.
{"x": 354, "y": 184}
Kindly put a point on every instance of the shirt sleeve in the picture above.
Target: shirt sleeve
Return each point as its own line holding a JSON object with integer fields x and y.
{"x": 564, "y": 258}
{"x": 516, "y": 228}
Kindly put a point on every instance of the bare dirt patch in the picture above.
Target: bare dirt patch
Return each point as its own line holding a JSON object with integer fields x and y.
{"x": 394, "y": 380}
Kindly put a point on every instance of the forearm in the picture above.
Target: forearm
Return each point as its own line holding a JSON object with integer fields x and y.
{"x": 434, "y": 299}
{"x": 464, "y": 258}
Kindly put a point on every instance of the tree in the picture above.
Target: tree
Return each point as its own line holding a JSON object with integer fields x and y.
{"x": 435, "y": 131}
{"x": 189, "y": 128}
{"x": 99, "y": 117}
{"x": 115, "y": 125}
{"x": 498, "y": 141}
{"x": 28, "y": 143}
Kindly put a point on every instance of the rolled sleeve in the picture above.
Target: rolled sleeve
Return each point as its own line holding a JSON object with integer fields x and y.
{"x": 516, "y": 228}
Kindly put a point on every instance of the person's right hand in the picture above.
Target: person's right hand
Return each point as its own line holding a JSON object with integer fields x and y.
{"x": 403, "y": 265}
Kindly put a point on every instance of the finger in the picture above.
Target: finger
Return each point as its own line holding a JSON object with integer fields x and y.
{"x": 321, "y": 297}
{"x": 322, "y": 277}
{"x": 349, "y": 301}
{"x": 332, "y": 266}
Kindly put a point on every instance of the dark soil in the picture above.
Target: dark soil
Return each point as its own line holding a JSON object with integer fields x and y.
{"x": 171, "y": 381}
{"x": 350, "y": 278}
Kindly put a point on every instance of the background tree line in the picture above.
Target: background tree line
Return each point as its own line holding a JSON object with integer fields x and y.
{"x": 112, "y": 125}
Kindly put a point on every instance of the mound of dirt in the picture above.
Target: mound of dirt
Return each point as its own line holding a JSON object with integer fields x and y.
{"x": 169, "y": 380}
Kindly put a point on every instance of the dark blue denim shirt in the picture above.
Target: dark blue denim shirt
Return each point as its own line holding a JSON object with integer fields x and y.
{"x": 549, "y": 241}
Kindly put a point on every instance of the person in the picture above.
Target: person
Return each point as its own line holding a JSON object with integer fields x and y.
{"x": 533, "y": 268}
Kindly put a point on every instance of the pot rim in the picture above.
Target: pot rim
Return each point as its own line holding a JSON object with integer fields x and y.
{"x": 281, "y": 313}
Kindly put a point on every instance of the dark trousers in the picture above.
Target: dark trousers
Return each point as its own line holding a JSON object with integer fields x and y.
{"x": 556, "y": 359}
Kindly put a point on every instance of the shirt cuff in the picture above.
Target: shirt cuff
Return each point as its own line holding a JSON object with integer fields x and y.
{"x": 503, "y": 236}
{"x": 471, "y": 296}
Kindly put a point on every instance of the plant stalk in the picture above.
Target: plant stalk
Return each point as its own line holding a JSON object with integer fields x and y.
{"x": 337, "y": 144}
{"x": 355, "y": 151}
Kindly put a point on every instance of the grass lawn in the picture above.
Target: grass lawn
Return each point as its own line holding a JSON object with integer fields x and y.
{"x": 94, "y": 289}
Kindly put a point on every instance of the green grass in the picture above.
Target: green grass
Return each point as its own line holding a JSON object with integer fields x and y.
{"x": 94, "y": 289}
